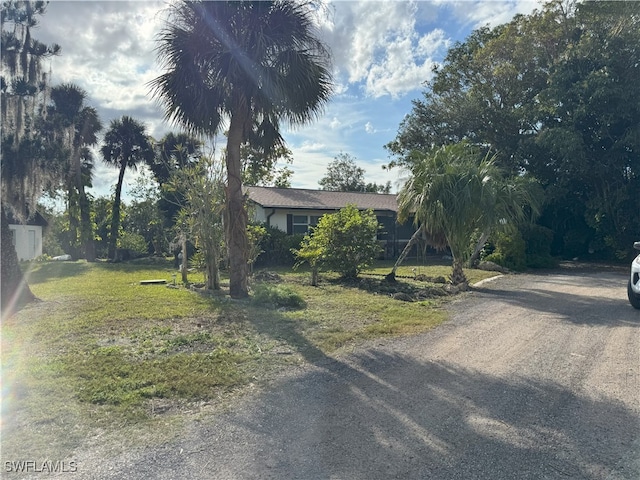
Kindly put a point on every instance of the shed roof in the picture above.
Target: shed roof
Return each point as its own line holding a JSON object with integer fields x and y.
{"x": 293, "y": 198}
{"x": 35, "y": 219}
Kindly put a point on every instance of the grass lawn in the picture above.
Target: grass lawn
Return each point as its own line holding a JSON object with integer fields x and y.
{"x": 100, "y": 354}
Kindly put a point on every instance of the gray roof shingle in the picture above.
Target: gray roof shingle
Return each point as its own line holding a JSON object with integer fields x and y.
{"x": 272, "y": 197}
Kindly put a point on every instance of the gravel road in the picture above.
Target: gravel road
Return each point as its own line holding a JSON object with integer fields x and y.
{"x": 534, "y": 377}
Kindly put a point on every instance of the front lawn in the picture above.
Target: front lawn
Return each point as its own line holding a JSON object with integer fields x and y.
{"x": 101, "y": 353}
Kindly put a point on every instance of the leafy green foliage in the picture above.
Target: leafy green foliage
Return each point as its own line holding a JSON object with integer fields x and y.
{"x": 554, "y": 94}
{"x": 134, "y": 242}
{"x": 509, "y": 251}
{"x": 260, "y": 167}
{"x": 344, "y": 175}
{"x": 344, "y": 242}
{"x": 455, "y": 192}
{"x": 277, "y": 296}
{"x": 200, "y": 217}
{"x": 279, "y": 246}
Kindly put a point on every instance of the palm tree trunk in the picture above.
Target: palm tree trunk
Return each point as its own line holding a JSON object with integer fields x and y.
{"x": 457, "y": 274}
{"x": 405, "y": 251}
{"x": 14, "y": 290}
{"x": 86, "y": 226}
{"x": 72, "y": 211}
{"x": 115, "y": 215}
{"x": 236, "y": 226}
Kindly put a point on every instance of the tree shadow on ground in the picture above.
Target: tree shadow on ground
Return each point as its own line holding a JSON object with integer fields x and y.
{"x": 385, "y": 415}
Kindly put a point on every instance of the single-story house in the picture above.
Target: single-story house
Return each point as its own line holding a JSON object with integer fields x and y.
{"x": 294, "y": 210}
{"x": 27, "y": 238}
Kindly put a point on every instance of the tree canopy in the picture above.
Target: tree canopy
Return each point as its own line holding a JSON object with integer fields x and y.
{"x": 553, "y": 94}
{"x": 344, "y": 175}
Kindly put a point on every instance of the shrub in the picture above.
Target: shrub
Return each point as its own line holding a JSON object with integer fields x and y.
{"x": 134, "y": 242}
{"x": 277, "y": 296}
{"x": 509, "y": 251}
{"x": 344, "y": 242}
{"x": 277, "y": 247}
{"x": 538, "y": 241}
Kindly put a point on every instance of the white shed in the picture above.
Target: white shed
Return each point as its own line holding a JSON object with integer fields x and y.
{"x": 27, "y": 238}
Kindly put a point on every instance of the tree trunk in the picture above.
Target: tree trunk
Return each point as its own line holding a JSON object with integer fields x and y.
{"x": 476, "y": 253}
{"x": 213, "y": 273}
{"x": 72, "y": 211}
{"x": 115, "y": 215}
{"x": 15, "y": 292}
{"x": 391, "y": 277}
{"x": 86, "y": 226}
{"x": 457, "y": 274}
{"x": 236, "y": 226}
{"x": 183, "y": 265}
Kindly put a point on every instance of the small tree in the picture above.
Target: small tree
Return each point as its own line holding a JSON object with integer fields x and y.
{"x": 344, "y": 242}
{"x": 344, "y": 175}
{"x": 201, "y": 214}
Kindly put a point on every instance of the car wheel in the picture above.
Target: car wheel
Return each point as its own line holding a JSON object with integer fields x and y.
{"x": 634, "y": 298}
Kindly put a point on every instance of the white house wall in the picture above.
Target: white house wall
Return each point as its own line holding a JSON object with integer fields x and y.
{"x": 278, "y": 219}
{"x": 28, "y": 241}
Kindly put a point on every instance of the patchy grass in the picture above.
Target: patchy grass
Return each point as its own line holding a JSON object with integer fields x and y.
{"x": 101, "y": 353}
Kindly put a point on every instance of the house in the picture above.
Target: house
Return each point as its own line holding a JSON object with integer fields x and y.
{"x": 294, "y": 210}
{"x": 27, "y": 238}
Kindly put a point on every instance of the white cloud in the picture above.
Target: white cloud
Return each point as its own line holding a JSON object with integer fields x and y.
{"x": 383, "y": 52}
{"x": 381, "y": 46}
{"x": 368, "y": 127}
{"x": 478, "y": 13}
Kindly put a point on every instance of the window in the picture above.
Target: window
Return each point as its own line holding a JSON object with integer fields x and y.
{"x": 300, "y": 223}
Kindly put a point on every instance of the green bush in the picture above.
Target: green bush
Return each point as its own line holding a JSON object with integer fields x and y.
{"x": 509, "y": 251}
{"x": 277, "y": 248}
{"x": 277, "y": 296}
{"x": 344, "y": 242}
{"x": 529, "y": 247}
{"x": 134, "y": 242}
{"x": 538, "y": 241}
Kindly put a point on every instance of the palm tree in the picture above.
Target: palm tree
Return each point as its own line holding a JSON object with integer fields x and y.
{"x": 253, "y": 64}
{"x": 78, "y": 125}
{"x": 126, "y": 145}
{"x": 454, "y": 192}
{"x": 174, "y": 151}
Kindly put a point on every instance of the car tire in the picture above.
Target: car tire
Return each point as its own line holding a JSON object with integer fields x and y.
{"x": 634, "y": 298}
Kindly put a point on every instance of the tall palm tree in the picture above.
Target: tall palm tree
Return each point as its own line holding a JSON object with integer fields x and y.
{"x": 125, "y": 145}
{"x": 78, "y": 125}
{"x": 253, "y": 64}
{"x": 454, "y": 192}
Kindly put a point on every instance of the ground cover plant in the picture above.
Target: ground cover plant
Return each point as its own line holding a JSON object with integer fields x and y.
{"x": 100, "y": 353}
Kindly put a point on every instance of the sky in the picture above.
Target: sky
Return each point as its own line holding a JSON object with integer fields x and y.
{"x": 383, "y": 53}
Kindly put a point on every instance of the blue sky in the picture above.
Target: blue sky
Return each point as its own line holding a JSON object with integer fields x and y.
{"x": 383, "y": 52}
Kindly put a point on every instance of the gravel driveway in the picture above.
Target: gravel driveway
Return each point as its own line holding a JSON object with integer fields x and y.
{"x": 535, "y": 377}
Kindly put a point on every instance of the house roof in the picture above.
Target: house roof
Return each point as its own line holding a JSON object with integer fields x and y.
{"x": 294, "y": 198}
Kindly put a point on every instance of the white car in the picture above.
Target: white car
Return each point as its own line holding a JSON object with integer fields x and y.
{"x": 633, "y": 289}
